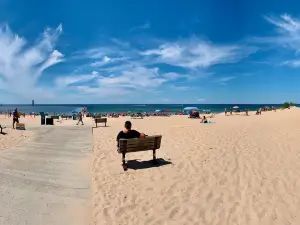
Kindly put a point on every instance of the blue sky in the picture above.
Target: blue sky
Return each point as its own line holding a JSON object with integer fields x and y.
{"x": 217, "y": 51}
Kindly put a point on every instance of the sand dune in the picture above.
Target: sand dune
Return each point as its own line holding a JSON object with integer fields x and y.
{"x": 240, "y": 170}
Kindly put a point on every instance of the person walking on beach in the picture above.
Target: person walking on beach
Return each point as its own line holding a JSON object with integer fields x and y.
{"x": 80, "y": 118}
{"x": 225, "y": 112}
{"x": 15, "y": 117}
{"x": 246, "y": 112}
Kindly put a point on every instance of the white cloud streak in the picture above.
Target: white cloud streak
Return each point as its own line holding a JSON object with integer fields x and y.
{"x": 145, "y": 26}
{"x": 287, "y": 32}
{"x": 223, "y": 79}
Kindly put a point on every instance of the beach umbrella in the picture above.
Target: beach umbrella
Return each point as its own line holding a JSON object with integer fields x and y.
{"x": 190, "y": 108}
{"x": 167, "y": 110}
{"x": 158, "y": 110}
{"x": 235, "y": 107}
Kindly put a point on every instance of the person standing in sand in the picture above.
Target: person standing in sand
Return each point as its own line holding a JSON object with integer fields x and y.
{"x": 225, "y": 112}
{"x": 80, "y": 118}
{"x": 15, "y": 117}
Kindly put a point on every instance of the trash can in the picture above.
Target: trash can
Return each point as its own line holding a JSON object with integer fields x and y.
{"x": 49, "y": 121}
{"x": 74, "y": 116}
{"x": 42, "y": 118}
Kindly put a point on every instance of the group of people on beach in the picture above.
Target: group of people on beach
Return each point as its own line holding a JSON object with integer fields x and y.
{"x": 258, "y": 112}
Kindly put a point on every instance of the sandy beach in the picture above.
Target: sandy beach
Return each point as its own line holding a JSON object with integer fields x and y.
{"x": 240, "y": 170}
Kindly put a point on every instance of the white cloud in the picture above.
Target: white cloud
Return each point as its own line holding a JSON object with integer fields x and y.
{"x": 21, "y": 64}
{"x": 200, "y": 99}
{"x": 64, "y": 81}
{"x": 98, "y": 52}
{"x": 292, "y": 63}
{"x": 145, "y": 26}
{"x": 136, "y": 77}
{"x": 287, "y": 36}
{"x": 195, "y": 53}
{"x": 107, "y": 60}
{"x": 287, "y": 32}
{"x": 181, "y": 88}
{"x": 223, "y": 79}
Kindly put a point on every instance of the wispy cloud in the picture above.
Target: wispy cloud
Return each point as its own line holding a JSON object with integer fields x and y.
{"x": 136, "y": 78}
{"x": 292, "y": 63}
{"x": 196, "y": 53}
{"x": 181, "y": 88}
{"x": 223, "y": 79}
{"x": 21, "y": 64}
{"x": 287, "y": 36}
{"x": 107, "y": 60}
{"x": 128, "y": 69}
{"x": 200, "y": 99}
{"x": 145, "y": 26}
{"x": 65, "y": 81}
{"x": 287, "y": 31}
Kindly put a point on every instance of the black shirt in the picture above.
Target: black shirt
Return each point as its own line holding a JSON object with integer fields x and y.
{"x": 129, "y": 135}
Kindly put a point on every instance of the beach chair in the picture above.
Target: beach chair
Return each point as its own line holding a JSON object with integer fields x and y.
{"x": 1, "y": 129}
{"x": 149, "y": 143}
{"x": 20, "y": 126}
{"x": 100, "y": 120}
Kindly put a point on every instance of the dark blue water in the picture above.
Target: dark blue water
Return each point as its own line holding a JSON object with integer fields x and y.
{"x": 108, "y": 108}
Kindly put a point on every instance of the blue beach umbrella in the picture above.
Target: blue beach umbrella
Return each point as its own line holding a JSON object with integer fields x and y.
{"x": 190, "y": 108}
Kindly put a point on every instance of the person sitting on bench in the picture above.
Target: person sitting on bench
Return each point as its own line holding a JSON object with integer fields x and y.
{"x": 128, "y": 133}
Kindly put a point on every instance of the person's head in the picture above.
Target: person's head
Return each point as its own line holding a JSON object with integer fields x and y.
{"x": 128, "y": 125}
{"x": 204, "y": 117}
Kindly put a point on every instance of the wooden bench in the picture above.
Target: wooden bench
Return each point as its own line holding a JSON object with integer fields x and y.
{"x": 100, "y": 120}
{"x": 1, "y": 129}
{"x": 20, "y": 126}
{"x": 138, "y": 145}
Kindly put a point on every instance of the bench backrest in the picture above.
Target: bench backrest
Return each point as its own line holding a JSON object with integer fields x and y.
{"x": 137, "y": 144}
{"x": 55, "y": 117}
{"x": 100, "y": 120}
